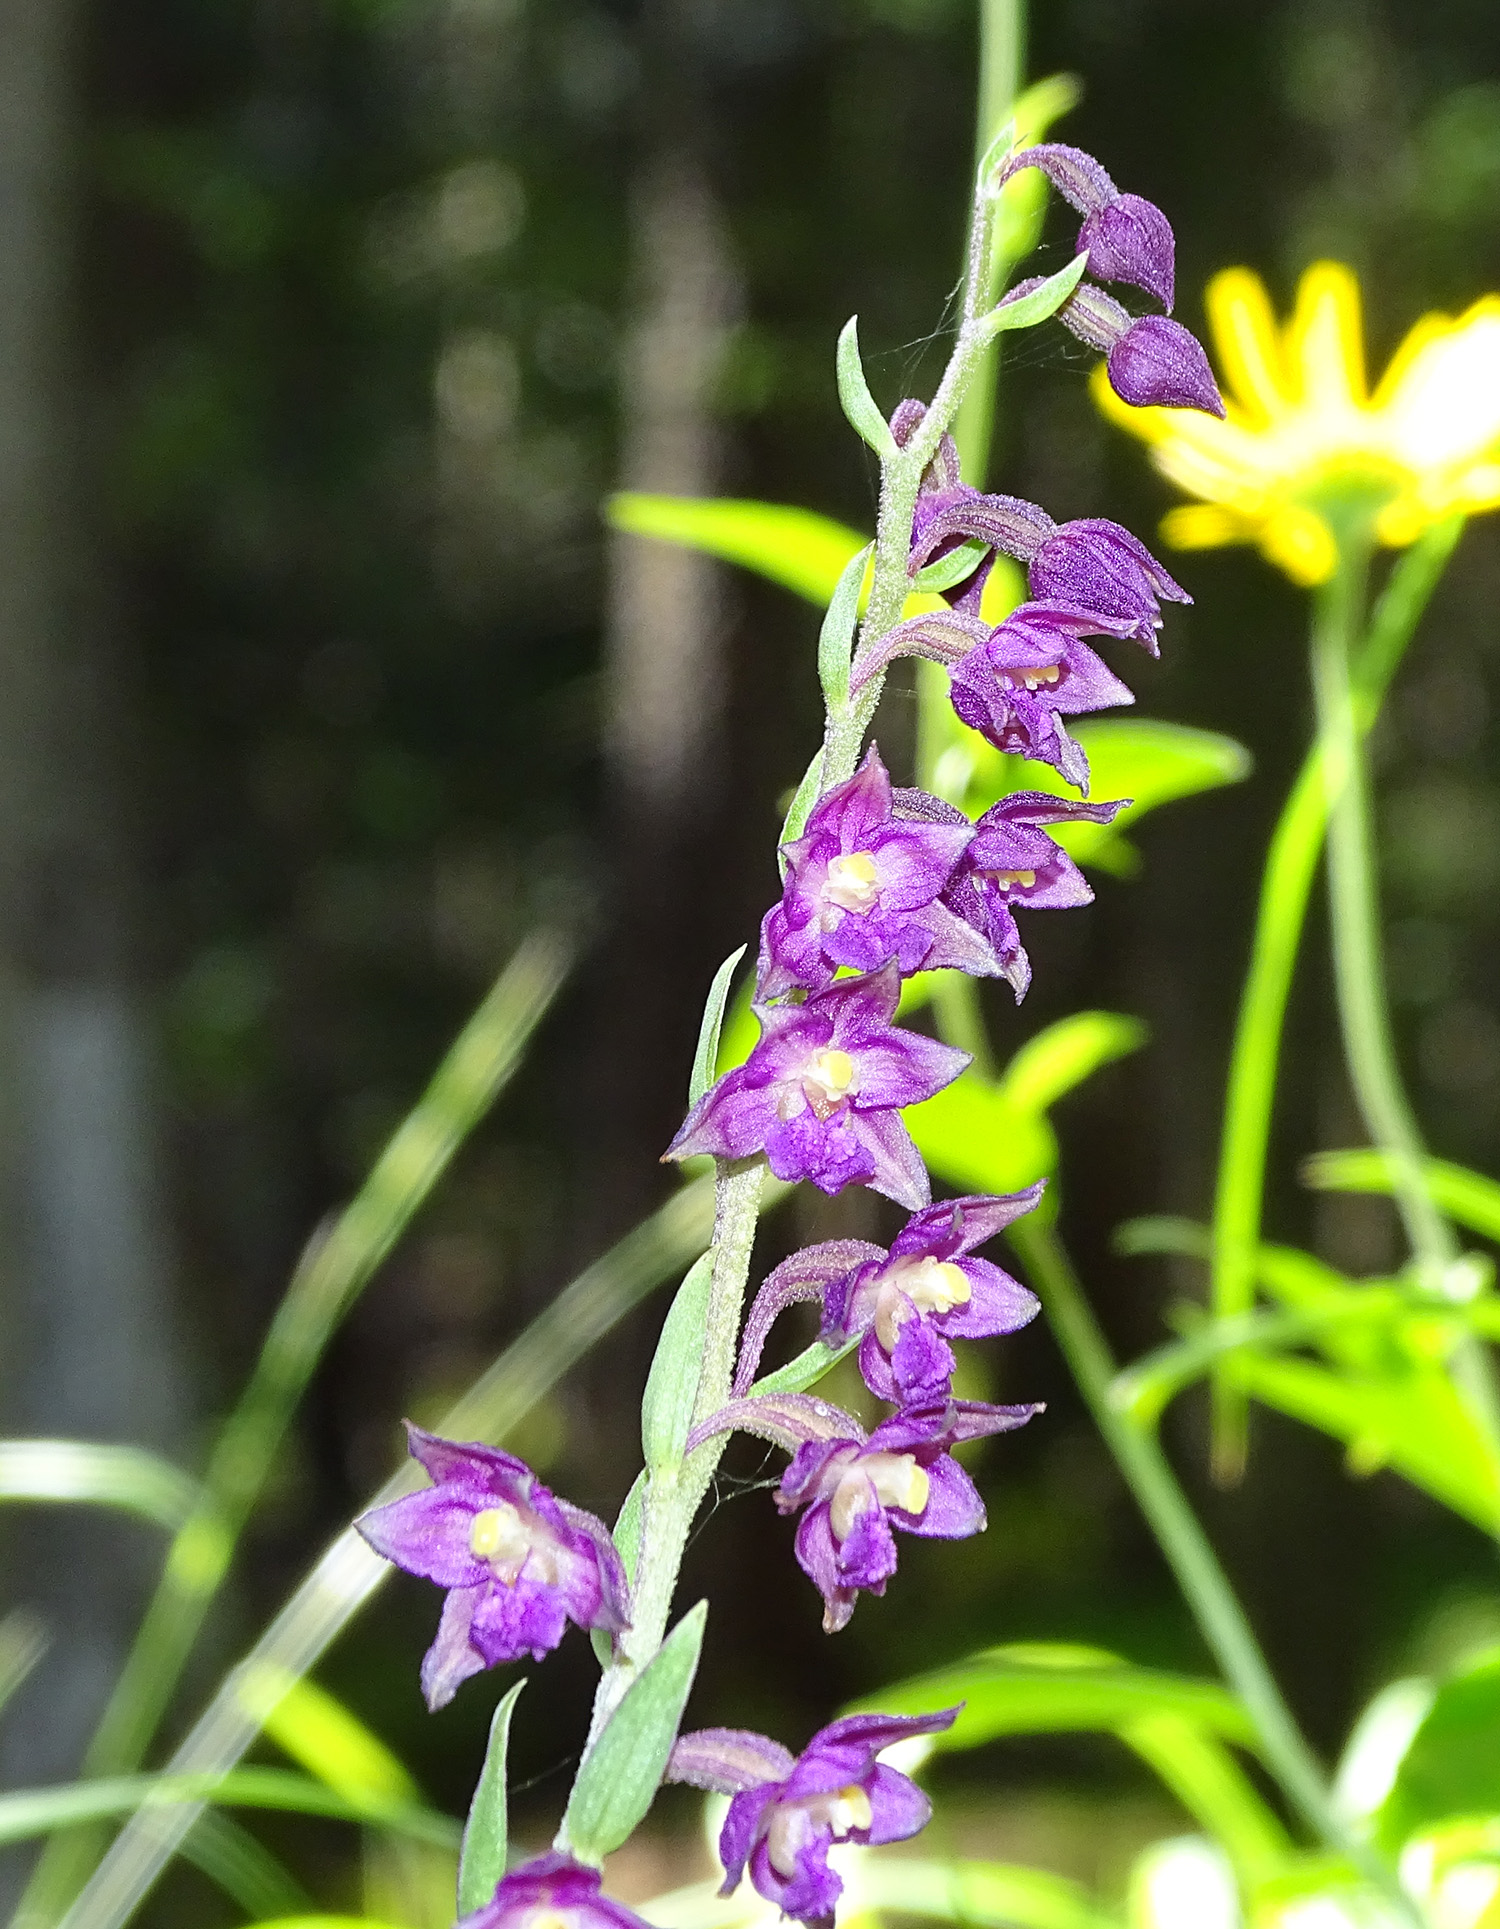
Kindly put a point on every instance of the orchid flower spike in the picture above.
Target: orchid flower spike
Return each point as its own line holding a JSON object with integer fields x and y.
{"x": 787, "y": 1814}
{"x": 518, "y": 1563}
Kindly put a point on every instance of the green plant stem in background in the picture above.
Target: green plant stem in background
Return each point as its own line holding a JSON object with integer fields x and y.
{"x": 1002, "y": 60}
{"x": 1193, "y": 1561}
{"x": 329, "y": 1279}
{"x": 1286, "y": 887}
{"x": 1369, "y": 1048}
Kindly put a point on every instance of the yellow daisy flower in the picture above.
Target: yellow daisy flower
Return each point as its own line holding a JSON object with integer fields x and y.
{"x": 1302, "y": 432}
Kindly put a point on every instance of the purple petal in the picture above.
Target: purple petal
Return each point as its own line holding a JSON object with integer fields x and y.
{"x": 428, "y": 1534}
{"x": 737, "y": 1837}
{"x": 997, "y": 1303}
{"x": 507, "y": 1622}
{"x": 915, "y": 860}
{"x": 922, "y": 1363}
{"x": 594, "y": 1545}
{"x": 813, "y": 1892}
{"x": 1157, "y": 363}
{"x": 954, "y": 1509}
{"x": 1129, "y": 239}
{"x": 452, "y": 1658}
{"x": 466, "y": 1460}
{"x": 873, "y": 1734}
{"x": 728, "y": 1760}
{"x": 903, "y": 1068}
{"x": 867, "y": 1554}
{"x": 832, "y": 1153}
{"x": 898, "y": 1808}
{"x": 896, "y": 1164}
{"x": 730, "y": 1120}
{"x": 817, "y": 1556}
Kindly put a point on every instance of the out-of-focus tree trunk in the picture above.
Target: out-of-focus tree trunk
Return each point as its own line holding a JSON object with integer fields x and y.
{"x": 86, "y": 1343}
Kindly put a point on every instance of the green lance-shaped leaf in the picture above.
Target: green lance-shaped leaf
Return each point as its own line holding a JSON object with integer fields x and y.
{"x": 129, "y": 1478}
{"x": 622, "y": 1772}
{"x": 836, "y": 638}
{"x": 672, "y": 1385}
{"x": 706, "y": 1055}
{"x": 1026, "y": 311}
{"x": 807, "y": 1369}
{"x": 858, "y": 404}
{"x": 1452, "y": 1766}
{"x": 797, "y": 548}
{"x": 797, "y": 812}
{"x": 1032, "y": 1688}
{"x": 1469, "y": 1197}
{"x": 481, "y": 1861}
{"x": 953, "y": 568}
{"x": 627, "y": 1539}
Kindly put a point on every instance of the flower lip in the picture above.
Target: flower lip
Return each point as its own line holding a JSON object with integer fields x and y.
{"x": 551, "y": 1892}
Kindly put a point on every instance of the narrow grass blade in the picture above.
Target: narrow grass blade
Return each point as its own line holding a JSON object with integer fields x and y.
{"x": 23, "y": 1642}
{"x": 1472, "y": 1198}
{"x": 242, "y": 1866}
{"x": 487, "y": 1831}
{"x": 129, "y": 1478}
{"x": 349, "y": 1573}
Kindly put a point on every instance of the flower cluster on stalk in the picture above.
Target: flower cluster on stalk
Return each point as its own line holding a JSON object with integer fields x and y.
{"x": 879, "y": 883}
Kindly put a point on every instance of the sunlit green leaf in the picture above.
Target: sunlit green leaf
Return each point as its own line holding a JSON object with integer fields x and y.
{"x": 320, "y": 1733}
{"x": 974, "y": 1138}
{"x": 1213, "y": 1788}
{"x": 103, "y": 1476}
{"x": 836, "y": 638}
{"x": 1452, "y": 1766}
{"x": 807, "y": 1369}
{"x": 803, "y": 551}
{"x": 1378, "y": 1743}
{"x": 672, "y": 1384}
{"x": 986, "y": 1895}
{"x": 620, "y": 1776}
{"x": 1026, "y": 311}
{"x": 1469, "y": 1197}
{"x": 1034, "y": 1689}
{"x": 486, "y": 1833}
{"x": 1065, "y": 1054}
{"x": 1148, "y": 761}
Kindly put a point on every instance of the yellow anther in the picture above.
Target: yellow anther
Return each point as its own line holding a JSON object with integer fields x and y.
{"x": 497, "y": 1532}
{"x": 827, "y": 1079}
{"x": 1025, "y": 879}
{"x": 936, "y": 1286}
{"x": 849, "y": 1810}
{"x": 1035, "y": 679}
{"x": 853, "y": 882}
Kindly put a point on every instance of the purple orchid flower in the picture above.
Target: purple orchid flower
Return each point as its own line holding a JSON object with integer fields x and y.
{"x": 927, "y": 1279}
{"x": 821, "y": 1093}
{"x": 1013, "y": 861}
{"x": 1152, "y": 360}
{"x": 855, "y": 1491}
{"x": 787, "y": 1814}
{"x": 518, "y": 1563}
{"x": 864, "y": 885}
{"x": 555, "y": 1891}
{"x": 1126, "y": 237}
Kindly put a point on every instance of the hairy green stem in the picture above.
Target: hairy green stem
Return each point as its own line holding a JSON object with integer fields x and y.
{"x": 1286, "y": 887}
{"x": 1202, "y": 1580}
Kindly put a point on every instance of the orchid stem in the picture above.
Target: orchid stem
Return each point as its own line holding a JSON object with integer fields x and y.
{"x": 1286, "y": 888}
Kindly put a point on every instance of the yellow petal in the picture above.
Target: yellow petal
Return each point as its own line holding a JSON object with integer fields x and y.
{"x": 1300, "y": 543}
{"x": 1244, "y": 334}
{"x": 1204, "y": 525}
{"x": 1326, "y": 339}
{"x": 1443, "y": 404}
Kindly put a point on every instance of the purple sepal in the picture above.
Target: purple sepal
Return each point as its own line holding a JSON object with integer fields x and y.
{"x": 787, "y": 1420}
{"x": 1130, "y": 240}
{"x": 821, "y": 1094}
{"x": 806, "y": 1275}
{"x": 727, "y": 1760}
{"x": 556, "y": 1890}
{"x": 929, "y": 1283}
{"x": 1012, "y": 861}
{"x": 1096, "y": 565}
{"x": 856, "y": 1492}
{"x": 836, "y": 1791}
{"x": 863, "y": 886}
{"x": 1157, "y": 363}
{"x": 518, "y": 1563}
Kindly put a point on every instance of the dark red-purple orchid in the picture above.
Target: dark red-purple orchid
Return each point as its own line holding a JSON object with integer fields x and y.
{"x": 1126, "y": 237}
{"x": 786, "y": 1814}
{"x": 551, "y": 1892}
{"x": 928, "y": 1278}
{"x": 821, "y": 1094}
{"x": 1012, "y": 861}
{"x": 864, "y": 885}
{"x": 1151, "y": 360}
{"x": 518, "y": 1563}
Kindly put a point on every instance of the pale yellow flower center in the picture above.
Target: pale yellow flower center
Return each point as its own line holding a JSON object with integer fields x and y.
{"x": 891, "y": 1479}
{"x": 502, "y": 1536}
{"x": 920, "y": 1286}
{"x": 1025, "y": 879}
{"x": 827, "y": 1081}
{"x": 1037, "y": 677}
{"x": 794, "y": 1823}
{"x": 853, "y": 882}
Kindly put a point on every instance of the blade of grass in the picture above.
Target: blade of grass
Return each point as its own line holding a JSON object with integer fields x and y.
{"x": 129, "y": 1478}
{"x": 348, "y": 1573}
{"x": 333, "y": 1272}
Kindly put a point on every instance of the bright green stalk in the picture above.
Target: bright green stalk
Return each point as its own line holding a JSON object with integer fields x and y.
{"x": 1002, "y": 60}
{"x": 1358, "y": 951}
{"x": 1202, "y": 1580}
{"x": 1286, "y": 886}
{"x": 332, "y": 1274}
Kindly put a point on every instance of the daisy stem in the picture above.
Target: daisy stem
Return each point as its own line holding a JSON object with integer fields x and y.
{"x": 1358, "y": 952}
{"x": 1203, "y": 1582}
{"x": 1285, "y": 890}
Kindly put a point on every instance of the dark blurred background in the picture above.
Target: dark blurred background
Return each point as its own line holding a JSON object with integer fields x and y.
{"x": 325, "y": 325}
